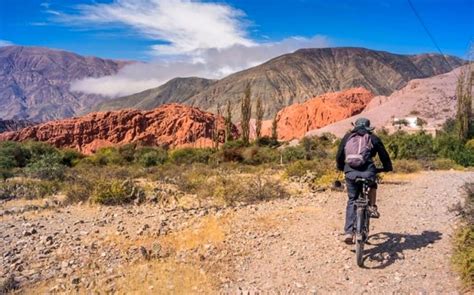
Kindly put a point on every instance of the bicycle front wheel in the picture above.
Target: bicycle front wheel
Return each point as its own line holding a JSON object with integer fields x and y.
{"x": 360, "y": 239}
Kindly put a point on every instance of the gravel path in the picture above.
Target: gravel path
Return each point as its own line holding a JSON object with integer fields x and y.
{"x": 283, "y": 246}
{"x": 296, "y": 248}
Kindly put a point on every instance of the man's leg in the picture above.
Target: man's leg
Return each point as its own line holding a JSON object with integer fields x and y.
{"x": 374, "y": 213}
{"x": 353, "y": 190}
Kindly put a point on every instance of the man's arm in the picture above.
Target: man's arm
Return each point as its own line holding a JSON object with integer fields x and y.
{"x": 340, "y": 156}
{"x": 383, "y": 154}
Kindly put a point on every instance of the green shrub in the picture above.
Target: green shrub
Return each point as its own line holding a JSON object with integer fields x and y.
{"x": 38, "y": 149}
{"x": 47, "y": 166}
{"x": 107, "y": 156}
{"x": 293, "y": 153}
{"x": 417, "y": 146}
{"x": 191, "y": 155}
{"x": 449, "y": 146}
{"x": 148, "y": 157}
{"x": 267, "y": 141}
{"x": 463, "y": 257}
{"x": 406, "y": 166}
{"x": 70, "y": 157}
{"x": 115, "y": 192}
{"x": 5, "y": 174}
{"x": 256, "y": 155}
{"x": 13, "y": 154}
{"x": 317, "y": 146}
{"x": 317, "y": 168}
{"x": 28, "y": 189}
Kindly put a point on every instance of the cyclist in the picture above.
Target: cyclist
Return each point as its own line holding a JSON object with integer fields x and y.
{"x": 355, "y": 158}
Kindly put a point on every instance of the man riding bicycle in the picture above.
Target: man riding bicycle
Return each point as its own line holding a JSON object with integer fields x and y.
{"x": 355, "y": 158}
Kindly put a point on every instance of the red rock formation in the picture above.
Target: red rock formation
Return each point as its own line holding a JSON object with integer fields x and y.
{"x": 170, "y": 125}
{"x": 295, "y": 120}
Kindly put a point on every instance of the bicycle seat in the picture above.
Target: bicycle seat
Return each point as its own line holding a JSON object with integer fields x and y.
{"x": 364, "y": 180}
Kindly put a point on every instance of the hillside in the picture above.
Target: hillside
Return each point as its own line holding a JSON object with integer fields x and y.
{"x": 34, "y": 82}
{"x": 177, "y": 90}
{"x": 169, "y": 125}
{"x": 295, "y": 120}
{"x": 306, "y": 73}
{"x": 13, "y": 125}
{"x": 432, "y": 99}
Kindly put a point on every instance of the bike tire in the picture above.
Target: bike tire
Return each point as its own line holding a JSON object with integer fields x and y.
{"x": 360, "y": 239}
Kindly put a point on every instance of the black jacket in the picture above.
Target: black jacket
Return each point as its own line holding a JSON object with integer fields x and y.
{"x": 378, "y": 148}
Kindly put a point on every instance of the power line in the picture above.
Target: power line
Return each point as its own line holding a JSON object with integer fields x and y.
{"x": 428, "y": 32}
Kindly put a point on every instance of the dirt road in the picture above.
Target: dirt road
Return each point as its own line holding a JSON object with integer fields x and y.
{"x": 282, "y": 246}
{"x": 296, "y": 248}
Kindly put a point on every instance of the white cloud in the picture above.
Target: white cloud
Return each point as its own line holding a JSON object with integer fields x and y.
{"x": 211, "y": 63}
{"x": 194, "y": 38}
{"x": 183, "y": 25}
{"x": 5, "y": 43}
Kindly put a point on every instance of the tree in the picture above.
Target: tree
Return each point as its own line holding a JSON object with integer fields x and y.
{"x": 464, "y": 118}
{"x": 228, "y": 122}
{"x": 274, "y": 128}
{"x": 215, "y": 131}
{"x": 246, "y": 111}
{"x": 260, "y": 111}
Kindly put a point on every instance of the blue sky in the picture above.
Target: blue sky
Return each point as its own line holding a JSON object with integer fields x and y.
{"x": 386, "y": 25}
{"x": 211, "y": 39}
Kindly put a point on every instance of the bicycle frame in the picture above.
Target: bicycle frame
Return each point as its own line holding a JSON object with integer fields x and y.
{"x": 362, "y": 216}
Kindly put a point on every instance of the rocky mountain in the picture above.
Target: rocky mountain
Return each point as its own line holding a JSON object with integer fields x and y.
{"x": 13, "y": 125}
{"x": 306, "y": 73}
{"x": 294, "y": 121}
{"x": 177, "y": 90}
{"x": 170, "y": 125}
{"x": 431, "y": 99}
{"x": 35, "y": 82}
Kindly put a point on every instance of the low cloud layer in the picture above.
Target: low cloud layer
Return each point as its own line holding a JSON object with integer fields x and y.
{"x": 211, "y": 63}
{"x": 5, "y": 43}
{"x": 193, "y": 38}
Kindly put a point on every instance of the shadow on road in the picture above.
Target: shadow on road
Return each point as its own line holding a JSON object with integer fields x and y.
{"x": 389, "y": 247}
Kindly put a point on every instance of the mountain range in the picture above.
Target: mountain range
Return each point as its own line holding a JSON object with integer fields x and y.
{"x": 295, "y": 78}
{"x": 35, "y": 82}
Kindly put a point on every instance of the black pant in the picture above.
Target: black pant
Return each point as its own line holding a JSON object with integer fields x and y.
{"x": 353, "y": 191}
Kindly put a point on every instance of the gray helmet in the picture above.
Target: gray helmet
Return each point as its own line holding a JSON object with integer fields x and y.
{"x": 362, "y": 123}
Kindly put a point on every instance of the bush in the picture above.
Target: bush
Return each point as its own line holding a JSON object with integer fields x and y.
{"x": 406, "y": 166}
{"x": 48, "y": 166}
{"x": 70, "y": 157}
{"x": 115, "y": 192}
{"x": 106, "y": 156}
{"x": 293, "y": 153}
{"x": 13, "y": 154}
{"x": 191, "y": 155}
{"x": 149, "y": 157}
{"x": 28, "y": 189}
{"x": 299, "y": 168}
{"x": 444, "y": 164}
{"x": 256, "y": 155}
{"x": 463, "y": 257}
{"x": 267, "y": 141}
{"x": 317, "y": 146}
{"x": 449, "y": 146}
{"x": 417, "y": 146}
{"x": 79, "y": 190}
{"x": 233, "y": 189}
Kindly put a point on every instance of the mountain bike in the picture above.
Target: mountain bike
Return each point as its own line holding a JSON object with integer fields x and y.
{"x": 362, "y": 219}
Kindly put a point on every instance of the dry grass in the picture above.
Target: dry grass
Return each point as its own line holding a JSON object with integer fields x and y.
{"x": 208, "y": 230}
{"x": 164, "y": 277}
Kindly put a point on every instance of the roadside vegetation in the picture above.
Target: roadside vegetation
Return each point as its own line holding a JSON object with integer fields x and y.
{"x": 463, "y": 258}
{"x": 235, "y": 173}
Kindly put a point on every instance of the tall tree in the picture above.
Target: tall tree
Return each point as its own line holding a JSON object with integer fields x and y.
{"x": 246, "y": 113}
{"x": 228, "y": 122}
{"x": 259, "y": 112}
{"x": 464, "y": 115}
{"x": 274, "y": 128}
{"x": 216, "y": 131}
